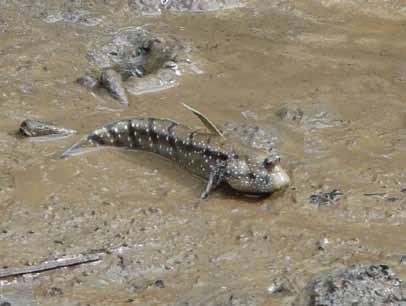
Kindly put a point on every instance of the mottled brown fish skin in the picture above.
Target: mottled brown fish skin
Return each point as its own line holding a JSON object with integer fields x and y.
{"x": 199, "y": 152}
{"x": 210, "y": 156}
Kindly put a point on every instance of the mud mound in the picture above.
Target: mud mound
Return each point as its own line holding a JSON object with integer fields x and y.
{"x": 157, "y": 7}
{"x": 357, "y": 285}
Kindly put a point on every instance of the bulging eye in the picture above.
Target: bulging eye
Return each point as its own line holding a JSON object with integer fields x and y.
{"x": 271, "y": 162}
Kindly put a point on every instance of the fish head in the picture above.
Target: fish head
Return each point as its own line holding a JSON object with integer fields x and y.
{"x": 256, "y": 174}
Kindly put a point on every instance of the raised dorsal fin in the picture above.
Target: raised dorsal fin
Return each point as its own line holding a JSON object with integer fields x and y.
{"x": 207, "y": 123}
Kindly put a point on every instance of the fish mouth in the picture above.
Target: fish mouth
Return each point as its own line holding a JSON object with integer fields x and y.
{"x": 280, "y": 179}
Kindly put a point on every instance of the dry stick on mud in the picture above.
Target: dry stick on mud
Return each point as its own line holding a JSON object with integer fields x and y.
{"x": 50, "y": 265}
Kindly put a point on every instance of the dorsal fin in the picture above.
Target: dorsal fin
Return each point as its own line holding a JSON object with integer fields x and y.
{"x": 207, "y": 123}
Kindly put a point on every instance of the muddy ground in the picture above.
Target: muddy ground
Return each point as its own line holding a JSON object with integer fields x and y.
{"x": 326, "y": 78}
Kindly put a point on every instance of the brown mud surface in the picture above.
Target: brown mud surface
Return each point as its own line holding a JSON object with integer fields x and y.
{"x": 327, "y": 78}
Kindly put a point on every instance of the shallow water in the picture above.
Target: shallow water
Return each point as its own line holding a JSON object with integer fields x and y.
{"x": 341, "y": 63}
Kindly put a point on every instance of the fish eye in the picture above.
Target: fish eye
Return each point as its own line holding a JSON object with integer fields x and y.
{"x": 271, "y": 162}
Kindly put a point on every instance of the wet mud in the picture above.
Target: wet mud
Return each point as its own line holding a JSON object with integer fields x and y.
{"x": 322, "y": 82}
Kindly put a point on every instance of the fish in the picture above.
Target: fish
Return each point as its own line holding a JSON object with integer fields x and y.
{"x": 207, "y": 153}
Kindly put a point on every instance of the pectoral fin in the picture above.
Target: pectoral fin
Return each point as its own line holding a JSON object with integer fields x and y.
{"x": 207, "y": 123}
{"x": 215, "y": 178}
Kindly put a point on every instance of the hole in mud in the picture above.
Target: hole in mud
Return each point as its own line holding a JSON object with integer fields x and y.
{"x": 137, "y": 52}
{"x": 144, "y": 62}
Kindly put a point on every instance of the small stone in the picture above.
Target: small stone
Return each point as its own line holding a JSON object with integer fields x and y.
{"x": 87, "y": 81}
{"x": 278, "y": 286}
{"x": 53, "y": 291}
{"x": 35, "y": 128}
{"x": 5, "y": 304}
{"x": 403, "y": 259}
{"x": 111, "y": 80}
{"x": 325, "y": 198}
{"x": 160, "y": 283}
{"x": 288, "y": 113}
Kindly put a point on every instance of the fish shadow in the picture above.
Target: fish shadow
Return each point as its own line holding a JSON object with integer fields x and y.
{"x": 230, "y": 193}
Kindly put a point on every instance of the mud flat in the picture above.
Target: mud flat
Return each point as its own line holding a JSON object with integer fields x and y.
{"x": 322, "y": 82}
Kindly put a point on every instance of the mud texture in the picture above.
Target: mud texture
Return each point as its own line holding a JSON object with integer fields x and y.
{"x": 157, "y": 7}
{"x": 321, "y": 82}
{"x": 358, "y": 285}
{"x": 143, "y": 61}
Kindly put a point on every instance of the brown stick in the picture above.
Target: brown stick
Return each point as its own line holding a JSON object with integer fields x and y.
{"x": 50, "y": 265}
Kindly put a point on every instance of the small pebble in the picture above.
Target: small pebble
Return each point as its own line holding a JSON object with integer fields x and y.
{"x": 324, "y": 198}
{"x": 111, "y": 80}
{"x": 87, "y": 81}
{"x": 391, "y": 199}
{"x": 322, "y": 244}
{"x": 53, "y": 291}
{"x": 160, "y": 283}
{"x": 36, "y": 128}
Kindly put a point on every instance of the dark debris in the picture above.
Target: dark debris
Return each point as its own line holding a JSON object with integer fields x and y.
{"x": 325, "y": 198}
{"x": 357, "y": 285}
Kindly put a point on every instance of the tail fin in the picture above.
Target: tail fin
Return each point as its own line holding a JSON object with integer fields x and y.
{"x": 84, "y": 145}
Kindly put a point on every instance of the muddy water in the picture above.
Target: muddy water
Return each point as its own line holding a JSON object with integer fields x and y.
{"x": 342, "y": 64}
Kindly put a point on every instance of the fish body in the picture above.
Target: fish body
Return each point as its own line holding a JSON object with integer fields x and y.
{"x": 196, "y": 151}
{"x": 209, "y": 155}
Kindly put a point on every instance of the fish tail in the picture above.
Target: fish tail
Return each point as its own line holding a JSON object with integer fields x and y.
{"x": 84, "y": 145}
{"x": 111, "y": 135}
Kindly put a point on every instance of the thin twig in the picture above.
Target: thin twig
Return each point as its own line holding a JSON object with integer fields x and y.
{"x": 50, "y": 265}
{"x": 381, "y": 194}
